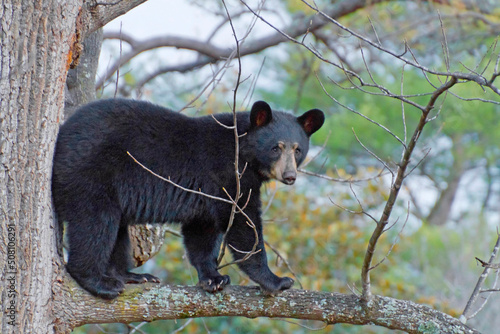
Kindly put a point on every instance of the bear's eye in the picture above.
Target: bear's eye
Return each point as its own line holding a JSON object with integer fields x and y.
{"x": 298, "y": 151}
{"x": 275, "y": 149}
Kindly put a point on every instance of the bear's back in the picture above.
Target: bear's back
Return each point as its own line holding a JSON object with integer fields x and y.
{"x": 91, "y": 158}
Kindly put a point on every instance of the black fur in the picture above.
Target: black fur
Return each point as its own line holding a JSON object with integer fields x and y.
{"x": 99, "y": 190}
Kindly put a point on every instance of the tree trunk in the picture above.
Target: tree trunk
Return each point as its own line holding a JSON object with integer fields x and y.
{"x": 36, "y": 50}
{"x": 39, "y": 41}
{"x": 80, "y": 83}
{"x": 440, "y": 212}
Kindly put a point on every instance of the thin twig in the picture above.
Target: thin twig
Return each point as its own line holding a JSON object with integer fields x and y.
{"x": 350, "y": 180}
{"x": 118, "y": 69}
{"x": 319, "y": 151}
{"x": 361, "y": 204}
{"x": 236, "y": 142}
{"x": 211, "y": 82}
{"x": 403, "y": 105}
{"x": 371, "y": 153}
{"x": 458, "y": 75}
{"x": 360, "y": 114}
{"x": 485, "y": 300}
{"x": 485, "y": 264}
{"x": 396, "y": 239}
{"x": 275, "y": 250}
{"x": 446, "y": 51}
{"x": 178, "y": 185}
{"x": 178, "y": 330}
{"x": 302, "y": 325}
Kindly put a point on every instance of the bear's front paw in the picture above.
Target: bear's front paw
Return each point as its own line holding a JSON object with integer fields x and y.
{"x": 213, "y": 284}
{"x": 284, "y": 283}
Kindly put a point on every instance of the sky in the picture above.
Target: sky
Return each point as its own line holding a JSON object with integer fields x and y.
{"x": 158, "y": 17}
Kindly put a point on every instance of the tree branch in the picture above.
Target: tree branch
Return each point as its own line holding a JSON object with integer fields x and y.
{"x": 150, "y": 302}
{"x": 477, "y": 289}
{"x": 96, "y": 14}
{"x": 209, "y": 50}
{"x": 396, "y": 186}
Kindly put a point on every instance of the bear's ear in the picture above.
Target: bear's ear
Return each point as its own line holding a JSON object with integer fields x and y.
{"x": 311, "y": 121}
{"x": 260, "y": 115}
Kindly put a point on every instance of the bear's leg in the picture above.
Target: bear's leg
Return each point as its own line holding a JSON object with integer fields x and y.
{"x": 202, "y": 242}
{"x": 242, "y": 239}
{"x": 91, "y": 239}
{"x": 121, "y": 262}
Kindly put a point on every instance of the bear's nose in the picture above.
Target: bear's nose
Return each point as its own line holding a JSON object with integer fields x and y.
{"x": 289, "y": 177}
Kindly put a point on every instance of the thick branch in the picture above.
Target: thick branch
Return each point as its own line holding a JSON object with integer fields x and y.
{"x": 150, "y": 302}
{"x": 207, "y": 49}
{"x": 80, "y": 81}
{"x": 96, "y": 14}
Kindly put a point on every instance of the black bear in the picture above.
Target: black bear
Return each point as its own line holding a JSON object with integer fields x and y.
{"x": 99, "y": 190}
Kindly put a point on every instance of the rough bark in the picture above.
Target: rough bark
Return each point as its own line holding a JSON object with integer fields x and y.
{"x": 146, "y": 241}
{"x": 34, "y": 60}
{"x": 39, "y": 41}
{"x": 80, "y": 82}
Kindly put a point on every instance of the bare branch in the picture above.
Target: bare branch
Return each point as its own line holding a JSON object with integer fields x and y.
{"x": 396, "y": 239}
{"x": 487, "y": 264}
{"x": 201, "y": 47}
{"x": 446, "y": 51}
{"x": 396, "y": 186}
{"x": 361, "y": 204}
{"x": 211, "y": 83}
{"x": 118, "y": 69}
{"x": 236, "y": 151}
{"x": 362, "y": 211}
{"x": 372, "y": 154}
{"x": 350, "y": 180}
{"x": 300, "y": 26}
{"x": 360, "y": 114}
{"x": 97, "y": 14}
{"x": 282, "y": 258}
{"x": 466, "y": 313}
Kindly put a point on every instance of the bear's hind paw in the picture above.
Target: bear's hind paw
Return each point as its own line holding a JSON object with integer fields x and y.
{"x": 284, "y": 283}
{"x": 105, "y": 287}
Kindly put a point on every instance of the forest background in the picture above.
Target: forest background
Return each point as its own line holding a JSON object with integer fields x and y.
{"x": 447, "y": 212}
